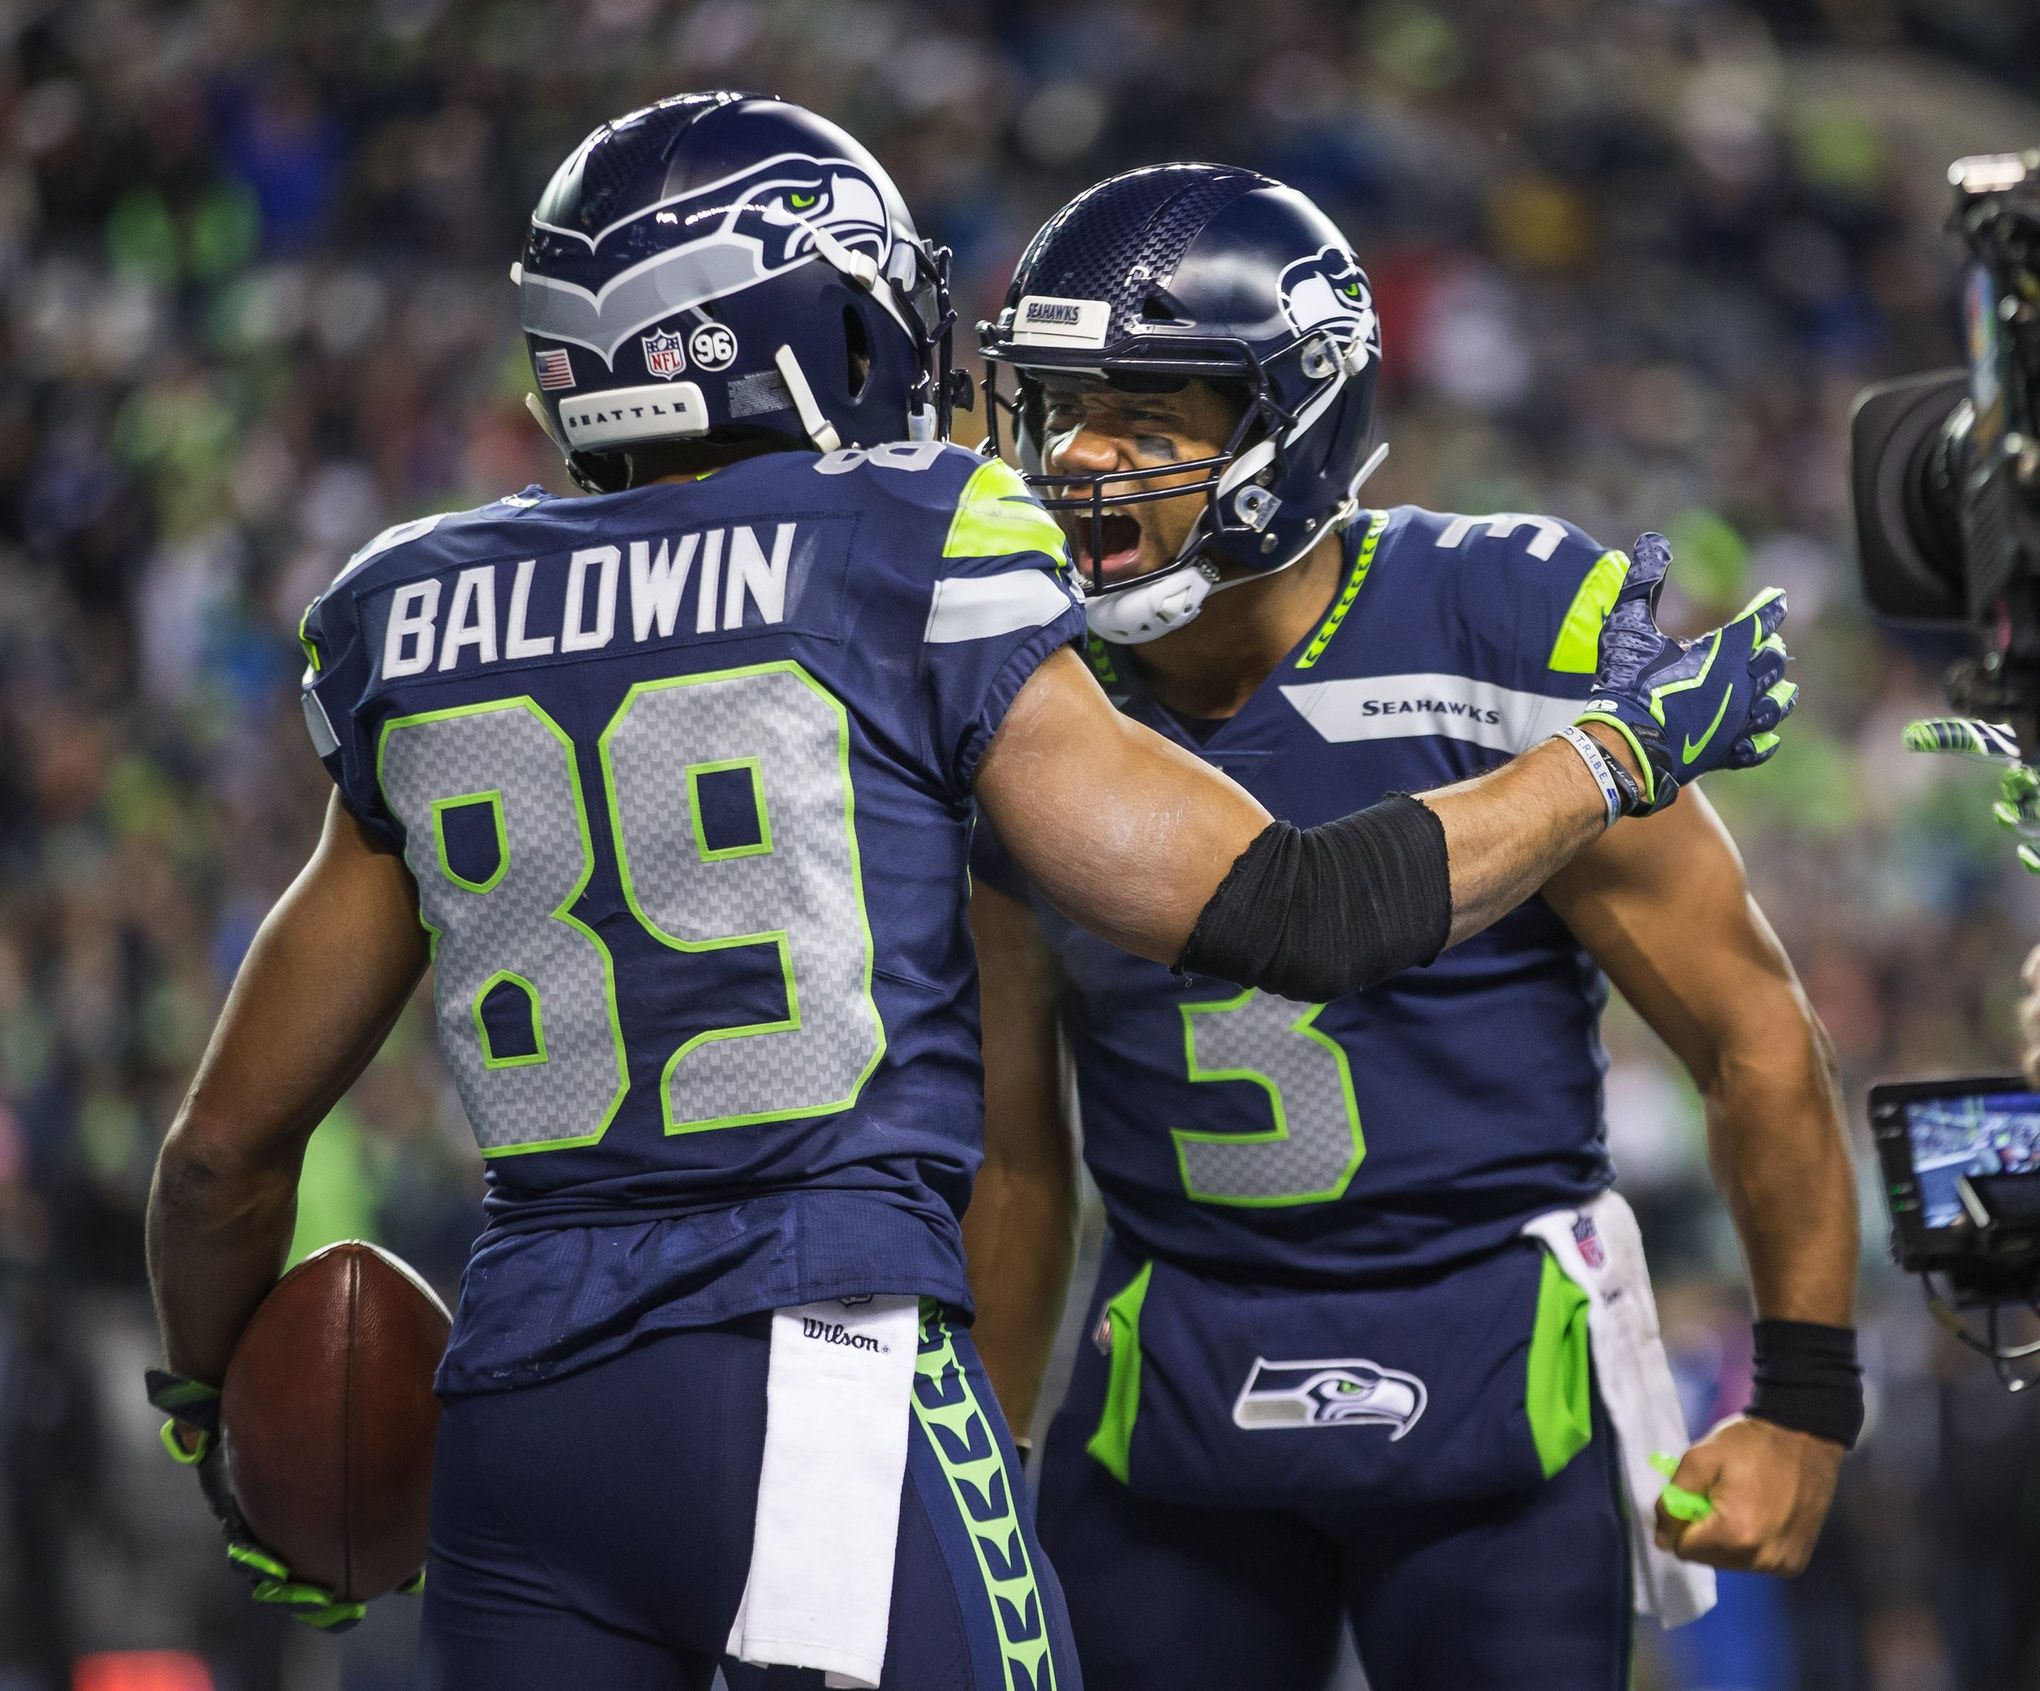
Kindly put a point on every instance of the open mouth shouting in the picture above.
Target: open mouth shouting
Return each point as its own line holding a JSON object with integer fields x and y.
{"x": 1117, "y": 540}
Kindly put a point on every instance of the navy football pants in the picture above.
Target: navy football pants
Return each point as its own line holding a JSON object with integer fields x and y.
{"x": 595, "y": 1531}
{"x": 1530, "y": 1593}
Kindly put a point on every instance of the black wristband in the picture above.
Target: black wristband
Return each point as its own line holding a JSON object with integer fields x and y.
{"x": 1807, "y": 1378}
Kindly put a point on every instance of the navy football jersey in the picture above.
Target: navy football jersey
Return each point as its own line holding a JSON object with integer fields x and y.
{"x": 1422, "y": 1121}
{"x": 683, "y": 776}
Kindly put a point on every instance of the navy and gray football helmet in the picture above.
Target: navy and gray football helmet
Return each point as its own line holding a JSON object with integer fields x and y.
{"x": 729, "y": 262}
{"x": 1204, "y": 270}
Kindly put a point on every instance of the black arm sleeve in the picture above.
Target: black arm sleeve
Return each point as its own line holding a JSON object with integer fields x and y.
{"x": 1316, "y": 913}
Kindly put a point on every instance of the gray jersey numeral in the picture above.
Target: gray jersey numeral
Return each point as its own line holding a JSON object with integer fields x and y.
{"x": 515, "y": 927}
{"x": 796, "y": 884}
{"x": 1310, "y": 1153}
{"x": 799, "y": 887}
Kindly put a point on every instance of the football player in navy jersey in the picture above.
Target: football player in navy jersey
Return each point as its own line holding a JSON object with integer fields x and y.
{"x": 672, "y": 786}
{"x": 1339, "y": 1367}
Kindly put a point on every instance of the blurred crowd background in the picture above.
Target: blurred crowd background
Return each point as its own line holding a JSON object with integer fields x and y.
{"x": 1632, "y": 261}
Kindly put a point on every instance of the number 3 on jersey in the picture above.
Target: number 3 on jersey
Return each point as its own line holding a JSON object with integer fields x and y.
{"x": 1311, "y": 1152}
{"x": 798, "y": 887}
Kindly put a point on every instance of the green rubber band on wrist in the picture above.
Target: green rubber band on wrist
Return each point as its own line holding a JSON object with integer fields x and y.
{"x": 1680, "y": 1504}
{"x": 178, "y": 1454}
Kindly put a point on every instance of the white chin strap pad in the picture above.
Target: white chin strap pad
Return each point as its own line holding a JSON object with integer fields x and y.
{"x": 1147, "y": 612}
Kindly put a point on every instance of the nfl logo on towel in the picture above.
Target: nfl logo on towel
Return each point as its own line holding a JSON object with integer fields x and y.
{"x": 555, "y": 368}
{"x": 664, "y": 354}
{"x": 1588, "y": 1237}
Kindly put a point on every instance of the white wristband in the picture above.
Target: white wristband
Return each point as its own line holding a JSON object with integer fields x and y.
{"x": 1596, "y": 761}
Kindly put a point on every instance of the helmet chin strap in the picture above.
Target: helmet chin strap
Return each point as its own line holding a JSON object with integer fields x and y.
{"x": 1164, "y": 603}
{"x": 1155, "y": 607}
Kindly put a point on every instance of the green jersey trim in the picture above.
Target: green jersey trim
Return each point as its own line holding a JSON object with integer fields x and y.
{"x": 996, "y": 516}
{"x": 1558, "y": 1387}
{"x": 1577, "y": 650}
{"x": 1112, "y": 1443}
{"x": 1363, "y": 562}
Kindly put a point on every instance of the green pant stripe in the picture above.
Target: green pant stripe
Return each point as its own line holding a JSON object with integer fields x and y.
{"x": 987, "y": 1498}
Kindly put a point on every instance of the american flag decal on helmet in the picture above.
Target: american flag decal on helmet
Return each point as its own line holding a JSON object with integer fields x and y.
{"x": 555, "y": 368}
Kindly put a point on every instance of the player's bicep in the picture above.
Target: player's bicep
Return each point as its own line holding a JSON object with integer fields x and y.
{"x": 327, "y": 974}
{"x": 1663, "y": 905}
{"x": 1122, "y": 831}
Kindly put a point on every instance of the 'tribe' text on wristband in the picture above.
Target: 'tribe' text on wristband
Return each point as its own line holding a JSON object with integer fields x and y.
{"x": 1598, "y": 766}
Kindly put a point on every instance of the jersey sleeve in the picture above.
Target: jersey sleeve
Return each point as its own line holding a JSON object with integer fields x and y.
{"x": 336, "y": 678}
{"x": 1533, "y": 593}
{"x": 1002, "y": 600}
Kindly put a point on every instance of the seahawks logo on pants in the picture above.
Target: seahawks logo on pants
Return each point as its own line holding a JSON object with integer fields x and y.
{"x": 1347, "y": 1392}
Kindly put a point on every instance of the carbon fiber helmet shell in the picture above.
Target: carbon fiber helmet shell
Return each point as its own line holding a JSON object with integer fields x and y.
{"x": 724, "y": 261}
{"x": 1214, "y": 271}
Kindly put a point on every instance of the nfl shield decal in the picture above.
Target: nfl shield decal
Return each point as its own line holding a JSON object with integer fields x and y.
{"x": 1343, "y": 1392}
{"x": 665, "y": 354}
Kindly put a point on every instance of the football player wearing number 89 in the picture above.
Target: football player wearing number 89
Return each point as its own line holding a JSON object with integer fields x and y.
{"x": 1339, "y": 1369}
{"x": 672, "y": 787}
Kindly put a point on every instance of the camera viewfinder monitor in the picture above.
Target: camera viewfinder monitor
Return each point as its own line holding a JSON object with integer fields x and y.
{"x": 1955, "y": 1154}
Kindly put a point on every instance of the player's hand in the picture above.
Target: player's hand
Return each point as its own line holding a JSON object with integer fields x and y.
{"x": 1688, "y": 706}
{"x": 191, "y": 1436}
{"x": 1768, "y": 1489}
{"x": 2018, "y": 803}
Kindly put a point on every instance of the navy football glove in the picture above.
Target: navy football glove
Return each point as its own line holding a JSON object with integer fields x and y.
{"x": 197, "y": 1407}
{"x": 1688, "y": 706}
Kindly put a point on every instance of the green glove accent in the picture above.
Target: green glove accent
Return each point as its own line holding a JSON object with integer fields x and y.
{"x": 178, "y": 1454}
{"x": 193, "y": 1405}
{"x": 188, "y": 1403}
{"x": 2017, "y": 808}
{"x": 1680, "y": 1504}
{"x": 312, "y": 1604}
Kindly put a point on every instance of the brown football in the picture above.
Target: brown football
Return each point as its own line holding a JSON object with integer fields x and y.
{"x": 328, "y": 1418}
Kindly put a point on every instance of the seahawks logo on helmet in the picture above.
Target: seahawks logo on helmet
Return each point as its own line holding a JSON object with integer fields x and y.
{"x": 727, "y": 236}
{"x": 1344, "y": 1393}
{"x": 1327, "y": 291}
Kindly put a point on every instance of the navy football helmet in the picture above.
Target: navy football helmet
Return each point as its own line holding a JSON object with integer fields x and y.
{"x": 1184, "y": 270}
{"x": 729, "y": 263}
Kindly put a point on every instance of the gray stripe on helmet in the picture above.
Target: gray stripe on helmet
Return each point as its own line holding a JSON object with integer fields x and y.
{"x": 663, "y": 284}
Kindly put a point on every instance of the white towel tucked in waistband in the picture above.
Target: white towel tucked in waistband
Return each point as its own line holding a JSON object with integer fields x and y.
{"x": 1601, "y": 1252}
{"x": 836, "y": 1414}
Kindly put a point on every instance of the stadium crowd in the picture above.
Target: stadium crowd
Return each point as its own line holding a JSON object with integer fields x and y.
{"x": 1632, "y": 260}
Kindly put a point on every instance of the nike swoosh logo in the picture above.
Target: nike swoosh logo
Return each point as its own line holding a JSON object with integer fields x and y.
{"x": 1695, "y": 747}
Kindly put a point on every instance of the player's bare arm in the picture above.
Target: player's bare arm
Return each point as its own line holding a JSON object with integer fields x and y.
{"x": 328, "y": 973}
{"x": 1142, "y": 871}
{"x": 1665, "y": 910}
{"x": 1019, "y": 1233}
